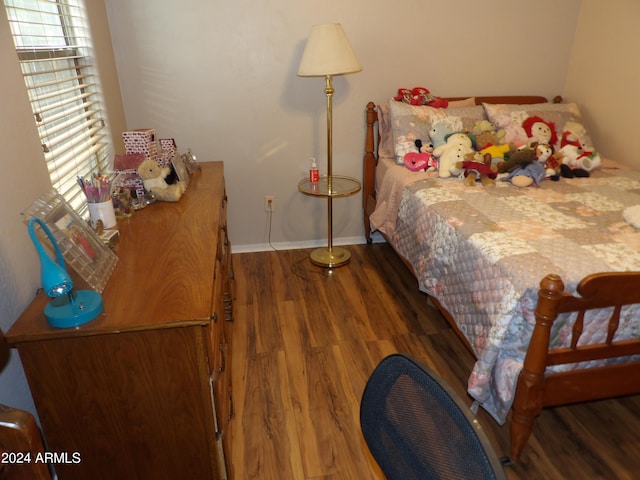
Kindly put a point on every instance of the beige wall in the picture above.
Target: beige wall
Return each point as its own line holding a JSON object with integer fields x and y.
{"x": 25, "y": 179}
{"x": 604, "y": 75}
{"x": 220, "y": 77}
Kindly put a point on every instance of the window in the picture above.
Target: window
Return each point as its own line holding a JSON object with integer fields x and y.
{"x": 53, "y": 43}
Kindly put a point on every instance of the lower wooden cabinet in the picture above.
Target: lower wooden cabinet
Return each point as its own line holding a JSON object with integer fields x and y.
{"x": 144, "y": 391}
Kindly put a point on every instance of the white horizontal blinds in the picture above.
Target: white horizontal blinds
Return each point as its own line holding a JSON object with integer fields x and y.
{"x": 53, "y": 42}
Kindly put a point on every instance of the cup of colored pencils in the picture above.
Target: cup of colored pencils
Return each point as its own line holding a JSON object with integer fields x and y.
{"x": 97, "y": 190}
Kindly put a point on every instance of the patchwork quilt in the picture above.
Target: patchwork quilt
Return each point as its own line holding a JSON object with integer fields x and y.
{"x": 483, "y": 251}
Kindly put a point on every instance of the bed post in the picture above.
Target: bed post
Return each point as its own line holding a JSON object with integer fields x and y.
{"x": 369, "y": 164}
{"x": 527, "y": 403}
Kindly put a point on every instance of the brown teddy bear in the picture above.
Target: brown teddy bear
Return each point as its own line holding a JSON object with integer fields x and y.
{"x": 477, "y": 166}
{"x": 153, "y": 178}
{"x": 490, "y": 140}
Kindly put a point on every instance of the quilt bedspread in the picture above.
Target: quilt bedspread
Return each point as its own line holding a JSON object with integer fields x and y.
{"x": 483, "y": 251}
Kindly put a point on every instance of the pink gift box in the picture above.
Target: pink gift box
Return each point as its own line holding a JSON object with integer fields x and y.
{"x": 142, "y": 140}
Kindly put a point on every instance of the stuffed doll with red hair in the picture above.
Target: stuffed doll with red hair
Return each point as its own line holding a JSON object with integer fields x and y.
{"x": 540, "y": 131}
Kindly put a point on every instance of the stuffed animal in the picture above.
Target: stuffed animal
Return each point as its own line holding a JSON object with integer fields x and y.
{"x": 551, "y": 162}
{"x": 573, "y": 133}
{"x": 487, "y": 133}
{"x": 420, "y": 96}
{"x": 478, "y": 167}
{"x": 579, "y": 156}
{"x": 513, "y": 129}
{"x": 422, "y": 159}
{"x": 404, "y": 95}
{"x": 553, "y": 166}
{"x": 539, "y": 131}
{"x": 405, "y": 144}
{"x": 439, "y": 133}
{"x": 526, "y": 175}
{"x": 482, "y": 126}
{"x": 527, "y": 166}
{"x": 453, "y": 151}
{"x": 498, "y": 153}
{"x": 488, "y": 139}
{"x": 153, "y": 178}
{"x": 517, "y": 159}
{"x": 572, "y": 162}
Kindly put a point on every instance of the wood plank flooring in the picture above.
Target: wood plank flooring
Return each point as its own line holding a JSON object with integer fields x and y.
{"x": 305, "y": 340}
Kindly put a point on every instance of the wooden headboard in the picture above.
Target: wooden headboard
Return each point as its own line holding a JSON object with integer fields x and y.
{"x": 372, "y": 140}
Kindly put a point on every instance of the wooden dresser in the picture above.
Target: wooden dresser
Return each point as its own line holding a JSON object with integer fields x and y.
{"x": 144, "y": 390}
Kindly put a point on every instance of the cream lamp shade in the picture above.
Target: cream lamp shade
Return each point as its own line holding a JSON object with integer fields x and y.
{"x": 328, "y": 52}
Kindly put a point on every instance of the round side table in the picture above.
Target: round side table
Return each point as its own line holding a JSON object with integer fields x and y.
{"x": 330, "y": 187}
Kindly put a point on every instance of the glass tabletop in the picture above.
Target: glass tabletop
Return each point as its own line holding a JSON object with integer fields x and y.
{"x": 336, "y": 186}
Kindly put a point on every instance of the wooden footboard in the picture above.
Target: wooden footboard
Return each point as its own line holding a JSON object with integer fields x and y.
{"x": 536, "y": 390}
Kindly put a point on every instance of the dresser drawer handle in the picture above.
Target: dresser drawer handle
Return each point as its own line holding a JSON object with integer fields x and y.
{"x": 223, "y": 363}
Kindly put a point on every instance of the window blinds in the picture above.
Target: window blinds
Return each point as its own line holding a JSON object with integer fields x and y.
{"x": 53, "y": 43}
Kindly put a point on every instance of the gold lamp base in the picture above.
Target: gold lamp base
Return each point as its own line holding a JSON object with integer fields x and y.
{"x": 330, "y": 257}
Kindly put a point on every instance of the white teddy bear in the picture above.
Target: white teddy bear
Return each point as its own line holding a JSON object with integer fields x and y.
{"x": 453, "y": 151}
{"x": 576, "y": 148}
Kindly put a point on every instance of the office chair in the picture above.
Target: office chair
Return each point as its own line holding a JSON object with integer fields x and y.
{"x": 19, "y": 436}
{"x": 417, "y": 427}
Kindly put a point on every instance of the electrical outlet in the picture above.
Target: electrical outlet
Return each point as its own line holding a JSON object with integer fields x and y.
{"x": 269, "y": 203}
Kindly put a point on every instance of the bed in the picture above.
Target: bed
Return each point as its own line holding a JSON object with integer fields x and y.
{"x": 541, "y": 283}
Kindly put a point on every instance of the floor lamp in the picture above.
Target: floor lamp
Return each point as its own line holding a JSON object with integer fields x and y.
{"x": 328, "y": 53}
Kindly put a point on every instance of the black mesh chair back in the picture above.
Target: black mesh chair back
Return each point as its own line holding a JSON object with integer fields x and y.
{"x": 417, "y": 427}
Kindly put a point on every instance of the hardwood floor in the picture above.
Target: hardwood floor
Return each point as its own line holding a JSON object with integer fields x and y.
{"x": 306, "y": 339}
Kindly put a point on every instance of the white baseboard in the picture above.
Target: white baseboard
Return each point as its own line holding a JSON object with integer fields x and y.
{"x": 264, "y": 247}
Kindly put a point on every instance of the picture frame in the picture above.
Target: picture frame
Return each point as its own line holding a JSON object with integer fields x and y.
{"x": 81, "y": 247}
{"x": 181, "y": 169}
{"x": 190, "y": 161}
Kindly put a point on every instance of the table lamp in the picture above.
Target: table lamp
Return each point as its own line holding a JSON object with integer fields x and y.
{"x": 78, "y": 307}
{"x": 328, "y": 53}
